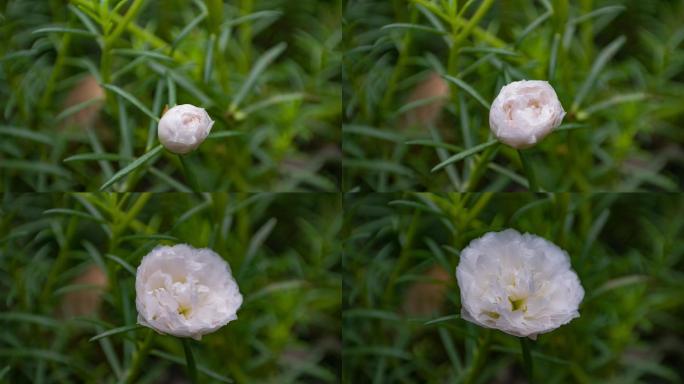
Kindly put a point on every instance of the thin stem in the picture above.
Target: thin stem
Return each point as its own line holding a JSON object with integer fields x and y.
{"x": 479, "y": 358}
{"x": 190, "y": 359}
{"x": 139, "y": 357}
{"x": 480, "y": 166}
{"x": 529, "y": 171}
{"x": 527, "y": 358}
{"x": 62, "y": 52}
{"x": 189, "y": 175}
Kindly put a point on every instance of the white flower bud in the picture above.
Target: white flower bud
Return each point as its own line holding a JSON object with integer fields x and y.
{"x": 186, "y": 292}
{"x": 520, "y": 284}
{"x": 525, "y": 112}
{"x": 183, "y": 128}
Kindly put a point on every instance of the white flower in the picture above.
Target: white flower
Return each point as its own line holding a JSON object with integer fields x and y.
{"x": 525, "y": 112}
{"x": 520, "y": 284}
{"x": 183, "y": 128}
{"x": 186, "y": 292}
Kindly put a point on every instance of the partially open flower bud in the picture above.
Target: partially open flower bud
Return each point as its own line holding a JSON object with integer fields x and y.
{"x": 183, "y": 128}
{"x": 186, "y": 292}
{"x": 525, "y": 112}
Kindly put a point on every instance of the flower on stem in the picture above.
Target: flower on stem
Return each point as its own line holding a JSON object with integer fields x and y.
{"x": 521, "y": 284}
{"x": 185, "y": 291}
{"x": 183, "y": 128}
{"x": 525, "y": 112}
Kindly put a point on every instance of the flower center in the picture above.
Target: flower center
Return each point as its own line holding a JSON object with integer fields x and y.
{"x": 517, "y": 304}
{"x": 188, "y": 119}
{"x": 183, "y": 311}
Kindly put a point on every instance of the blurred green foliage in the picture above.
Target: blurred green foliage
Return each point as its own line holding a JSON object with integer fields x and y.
{"x": 267, "y": 71}
{"x": 401, "y": 303}
{"x": 617, "y": 66}
{"x": 282, "y": 249}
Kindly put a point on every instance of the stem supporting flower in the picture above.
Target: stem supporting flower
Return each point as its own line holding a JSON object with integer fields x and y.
{"x": 527, "y": 358}
{"x": 529, "y": 171}
{"x": 139, "y": 357}
{"x": 190, "y": 360}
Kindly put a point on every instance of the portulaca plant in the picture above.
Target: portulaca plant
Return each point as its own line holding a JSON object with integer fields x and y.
{"x": 186, "y": 292}
{"x": 521, "y": 284}
{"x": 183, "y": 128}
{"x": 525, "y": 112}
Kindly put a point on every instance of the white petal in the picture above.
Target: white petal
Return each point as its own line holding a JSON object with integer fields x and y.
{"x": 520, "y": 284}
{"x": 183, "y": 128}
{"x": 186, "y": 292}
{"x": 525, "y": 112}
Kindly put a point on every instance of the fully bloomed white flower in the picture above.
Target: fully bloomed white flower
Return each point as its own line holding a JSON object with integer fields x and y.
{"x": 185, "y": 291}
{"x": 183, "y": 128}
{"x": 525, "y": 112}
{"x": 521, "y": 284}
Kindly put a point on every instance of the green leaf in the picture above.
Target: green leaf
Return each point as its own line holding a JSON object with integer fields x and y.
{"x": 121, "y": 262}
{"x": 223, "y": 134}
{"x": 173, "y": 183}
{"x": 33, "y": 166}
{"x": 191, "y": 26}
{"x": 442, "y": 319}
{"x": 256, "y": 241}
{"x": 377, "y": 351}
{"x": 451, "y": 350}
{"x": 599, "y": 12}
{"x": 131, "y": 99}
{"x": 602, "y": 59}
{"x": 77, "y": 107}
{"x": 277, "y": 99}
{"x": 418, "y": 103}
{"x": 181, "y": 361}
{"x": 615, "y": 100}
{"x": 437, "y": 144}
{"x": 116, "y": 331}
{"x": 468, "y": 89}
{"x": 95, "y": 157}
{"x": 209, "y": 59}
{"x": 25, "y": 133}
{"x": 20, "y": 317}
{"x": 373, "y": 132}
{"x": 496, "y": 51}
{"x": 148, "y": 237}
{"x": 72, "y": 31}
{"x": 171, "y": 86}
{"x": 462, "y": 155}
{"x": 258, "y": 67}
{"x": 4, "y": 371}
{"x": 371, "y": 314}
{"x": 533, "y": 25}
{"x": 553, "y": 58}
{"x": 415, "y": 27}
{"x": 250, "y": 17}
{"x": 132, "y": 166}
{"x": 138, "y": 53}
{"x": 40, "y": 354}
{"x": 378, "y": 166}
{"x": 72, "y": 212}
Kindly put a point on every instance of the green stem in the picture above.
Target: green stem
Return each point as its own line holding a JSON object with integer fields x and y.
{"x": 139, "y": 357}
{"x": 529, "y": 171}
{"x": 62, "y": 52}
{"x": 480, "y": 166}
{"x": 527, "y": 358}
{"x": 123, "y": 23}
{"x": 189, "y": 358}
{"x": 189, "y": 175}
{"x": 479, "y": 358}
